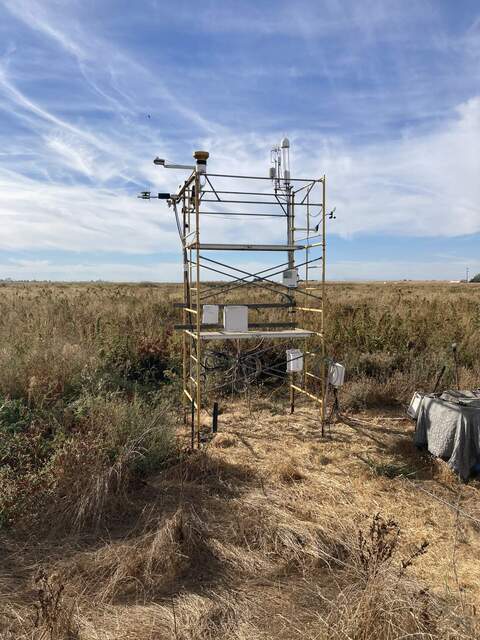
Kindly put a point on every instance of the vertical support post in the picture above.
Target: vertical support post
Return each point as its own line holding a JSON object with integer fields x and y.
{"x": 291, "y": 265}
{"x": 187, "y": 343}
{"x": 190, "y": 250}
{"x": 192, "y": 425}
{"x": 198, "y": 306}
{"x": 290, "y": 227}
{"x": 306, "y": 287}
{"x": 292, "y": 393}
{"x": 185, "y": 338}
{"x": 322, "y": 315}
{"x": 200, "y": 169}
{"x": 191, "y": 343}
{"x": 215, "y": 418}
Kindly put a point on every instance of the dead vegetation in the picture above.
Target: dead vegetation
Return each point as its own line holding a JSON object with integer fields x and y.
{"x": 289, "y": 472}
{"x": 224, "y": 440}
{"x": 144, "y": 567}
{"x": 111, "y": 532}
{"x": 220, "y": 547}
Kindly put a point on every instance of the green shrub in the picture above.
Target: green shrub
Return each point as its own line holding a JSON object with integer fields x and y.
{"x": 71, "y": 466}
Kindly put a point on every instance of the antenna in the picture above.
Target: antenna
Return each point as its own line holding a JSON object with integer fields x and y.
{"x": 280, "y": 169}
{"x": 275, "y": 169}
{"x": 285, "y": 147}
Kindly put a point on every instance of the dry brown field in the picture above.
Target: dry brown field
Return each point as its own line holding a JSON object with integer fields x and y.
{"x": 111, "y": 529}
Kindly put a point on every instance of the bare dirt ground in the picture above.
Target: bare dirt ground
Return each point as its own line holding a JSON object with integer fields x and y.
{"x": 268, "y": 532}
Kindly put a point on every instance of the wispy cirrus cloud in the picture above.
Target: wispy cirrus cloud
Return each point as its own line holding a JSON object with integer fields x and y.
{"x": 104, "y": 66}
{"x": 391, "y": 115}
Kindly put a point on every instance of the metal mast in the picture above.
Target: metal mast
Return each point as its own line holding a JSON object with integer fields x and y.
{"x": 249, "y": 198}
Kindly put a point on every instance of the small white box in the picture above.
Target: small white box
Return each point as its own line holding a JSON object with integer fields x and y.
{"x": 294, "y": 360}
{"x": 235, "y": 318}
{"x": 290, "y": 278}
{"x": 210, "y": 314}
{"x": 414, "y": 406}
{"x": 336, "y": 374}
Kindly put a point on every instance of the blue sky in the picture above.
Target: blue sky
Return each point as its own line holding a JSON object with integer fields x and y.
{"x": 382, "y": 96}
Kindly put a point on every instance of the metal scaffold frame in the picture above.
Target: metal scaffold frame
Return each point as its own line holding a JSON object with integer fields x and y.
{"x": 305, "y": 304}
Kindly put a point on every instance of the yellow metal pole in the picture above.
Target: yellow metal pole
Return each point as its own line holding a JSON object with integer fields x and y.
{"x": 199, "y": 314}
{"x": 184, "y": 317}
{"x": 189, "y": 204}
{"x": 322, "y": 315}
{"x": 291, "y": 240}
{"x": 305, "y": 297}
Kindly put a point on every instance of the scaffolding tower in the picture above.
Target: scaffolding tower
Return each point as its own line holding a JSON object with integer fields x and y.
{"x": 296, "y": 298}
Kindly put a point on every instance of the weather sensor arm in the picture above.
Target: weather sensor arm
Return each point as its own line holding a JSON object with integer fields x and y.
{"x": 171, "y": 165}
{"x": 147, "y": 195}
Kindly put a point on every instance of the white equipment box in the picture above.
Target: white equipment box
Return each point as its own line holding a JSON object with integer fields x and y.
{"x": 294, "y": 360}
{"x": 336, "y": 374}
{"x": 210, "y": 314}
{"x": 290, "y": 278}
{"x": 414, "y": 406}
{"x": 235, "y": 318}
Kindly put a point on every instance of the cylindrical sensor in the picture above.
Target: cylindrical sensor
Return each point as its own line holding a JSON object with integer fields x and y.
{"x": 201, "y": 157}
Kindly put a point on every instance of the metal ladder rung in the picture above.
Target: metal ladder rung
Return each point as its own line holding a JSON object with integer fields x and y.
{"x": 310, "y": 395}
{"x": 190, "y": 397}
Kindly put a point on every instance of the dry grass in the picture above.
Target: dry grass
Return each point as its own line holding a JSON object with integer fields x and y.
{"x": 270, "y": 532}
{"x": 145, "y": 567}
{"x": 224, "y": 440}
{"x": 289, "y": 472}
{"x": 393, "y": 337}
{"x": 219, "y": 548}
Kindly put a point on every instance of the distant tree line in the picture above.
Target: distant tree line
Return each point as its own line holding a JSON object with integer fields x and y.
{"x": 475, "y": 278}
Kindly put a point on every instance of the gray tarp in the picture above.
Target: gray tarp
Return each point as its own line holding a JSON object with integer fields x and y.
{"x": 449, "y": 426}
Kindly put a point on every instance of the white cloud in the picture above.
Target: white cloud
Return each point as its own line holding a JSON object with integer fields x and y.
{"x": 45, "y": 216}
{"x": 422, "y": 184}
{"x": 117, "y": 78}
{"x": 83, "y": 175}
{"x": 73, "y": 157}
{"x": 425, "y": 185}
